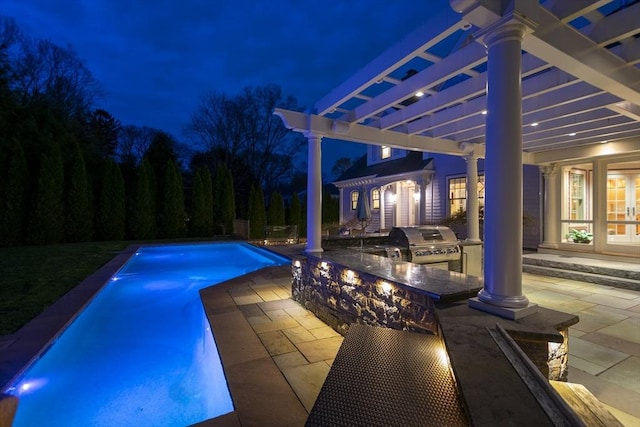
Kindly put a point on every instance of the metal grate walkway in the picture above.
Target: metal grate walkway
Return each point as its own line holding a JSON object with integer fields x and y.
{"x": 386, "y": 377}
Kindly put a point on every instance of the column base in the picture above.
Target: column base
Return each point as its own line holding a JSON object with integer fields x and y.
{"x": 505, "y": 312}
{"x": 311, "y": 251}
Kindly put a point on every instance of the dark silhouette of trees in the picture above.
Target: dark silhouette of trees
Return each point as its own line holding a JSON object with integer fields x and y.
{"x": 110, "y": 215}
{"x": 103, "y": 131}
{"x": 78, "y": 225}
{"x": 172, "y": 214}
{"x": 224, "y": 207}
{"x": 201, "y": 222}
{"x": 143, "y": 220}
{"x": 257, "y": 214}
{"x": 340, "y": 166}
{"x": 14, "y": 199}
{"x": 276, "y": 209}
{"x": 295, "y": 212}
{"x": 46, "y": 222}
{"x": 245, "y": 134}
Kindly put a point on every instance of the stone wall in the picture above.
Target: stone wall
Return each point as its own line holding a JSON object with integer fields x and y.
{"x": 340, "y": 296}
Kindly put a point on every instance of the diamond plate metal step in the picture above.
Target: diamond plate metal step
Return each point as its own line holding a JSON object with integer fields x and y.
{"x": 386, "y": 377}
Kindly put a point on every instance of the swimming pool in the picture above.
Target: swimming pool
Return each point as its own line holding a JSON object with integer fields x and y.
{"x": 141, "y": 352}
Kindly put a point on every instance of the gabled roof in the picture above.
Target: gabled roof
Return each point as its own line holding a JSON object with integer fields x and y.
{"x": 413, "y": 162}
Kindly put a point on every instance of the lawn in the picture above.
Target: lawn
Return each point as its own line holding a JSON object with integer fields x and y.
{"x": 34, "y": 277}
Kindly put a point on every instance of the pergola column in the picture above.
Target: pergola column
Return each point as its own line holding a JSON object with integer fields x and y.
{"x": 550, "y": 227}
{"x": 473, "y": 211}
{"x": 314, "y": 194}
{"x": 502, "y": 293}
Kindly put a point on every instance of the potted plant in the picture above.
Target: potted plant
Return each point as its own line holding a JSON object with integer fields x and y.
{"x": 580, "y": 236}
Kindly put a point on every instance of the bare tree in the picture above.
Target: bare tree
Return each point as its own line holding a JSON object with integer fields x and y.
{"x": 247, "y": 134}
{"x": 43, "y": 70}
{"x": 133, "y": 142}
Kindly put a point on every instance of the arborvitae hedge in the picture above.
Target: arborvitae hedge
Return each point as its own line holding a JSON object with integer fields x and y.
{"x": 172, "y": 214}
{"x": 296, "y": 212}
{"x": 78, "y": 224}
{"x": 143, "y": 218}
{"x": 201, "y": 214}
{"x": 276, "y": 209}
{"x": 14, "y": 201}
{"x": 257, "y": 214}
{"x": 224, "y": 206}
{"x": 46, "y": 224}
{"x": 110, "y": 216}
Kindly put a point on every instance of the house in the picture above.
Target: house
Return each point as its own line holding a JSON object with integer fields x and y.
{"x": 412, "y": 188}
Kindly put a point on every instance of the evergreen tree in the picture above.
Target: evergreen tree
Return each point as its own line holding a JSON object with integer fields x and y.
{"x": 257, "y": 215}
{"x": 14, "y": 199}
{"x": 224, "y": 207}
{"x": 46, "y": 224}
{"x": 172, "y": 217}
{"x": 110, "y": 217}
{"x": 208, "y": 200}
{"x": 276, "y": 209}
{"x": 296, "y": 212}
{"x": 142, "y": 214}
{"x": 78, "y": 221}
{"x": 199, "y": 213}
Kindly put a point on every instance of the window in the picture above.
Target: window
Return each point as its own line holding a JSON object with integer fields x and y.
{"x": 385, "y": 152}
{"x": 576, "y": 200}
{"x": 375, "y": 198}
{"x": 458, "y": 194}
{"x": 354, "y": 200}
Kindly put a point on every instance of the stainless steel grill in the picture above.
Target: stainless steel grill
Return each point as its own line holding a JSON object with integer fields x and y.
{"x": 426, "y": 244}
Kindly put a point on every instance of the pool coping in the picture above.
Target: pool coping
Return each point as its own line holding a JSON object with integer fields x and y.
{"x": 27, "y": 344}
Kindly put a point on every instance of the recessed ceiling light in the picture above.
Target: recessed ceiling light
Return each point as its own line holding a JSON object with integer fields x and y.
{"x": 534, "y": 124}
{"x": 484, "y": 112}
{"x": 604, "y": 142}
{"x": 419, "y": 93}
{"x": 572, "y": 134}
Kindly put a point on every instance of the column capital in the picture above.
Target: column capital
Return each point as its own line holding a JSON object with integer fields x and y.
{"x": 512, "y": 31}
{"x": 549, "y": 170}
{"x": 312, "y": 135}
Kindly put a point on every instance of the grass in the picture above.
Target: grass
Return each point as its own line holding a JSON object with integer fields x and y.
{"x": 34, "y": 277}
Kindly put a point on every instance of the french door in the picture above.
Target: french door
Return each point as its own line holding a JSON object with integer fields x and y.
{"x": 623, "y": 204}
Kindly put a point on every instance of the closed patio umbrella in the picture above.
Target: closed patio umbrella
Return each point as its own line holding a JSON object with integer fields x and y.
{"x": 363, "y": 211}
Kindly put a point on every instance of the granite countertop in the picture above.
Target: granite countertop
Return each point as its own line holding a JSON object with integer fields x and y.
{"x": 440, "y": 285}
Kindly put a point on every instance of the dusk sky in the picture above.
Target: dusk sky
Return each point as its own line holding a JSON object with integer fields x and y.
{"x": 155, "y": 60}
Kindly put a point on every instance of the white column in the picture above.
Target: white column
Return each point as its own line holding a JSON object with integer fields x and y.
{"x": 473, "y": 216}
{"x": 550, "y": 226}
{"x": 503, "y": 172}
{"x": 314, "y": 194}
{"x": 382, "y": 205}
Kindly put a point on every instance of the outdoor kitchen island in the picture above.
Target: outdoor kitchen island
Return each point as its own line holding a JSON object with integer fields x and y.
{"x": 495, "y": 381}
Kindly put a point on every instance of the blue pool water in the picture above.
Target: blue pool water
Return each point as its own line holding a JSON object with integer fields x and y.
{"x": 141, "y": 353}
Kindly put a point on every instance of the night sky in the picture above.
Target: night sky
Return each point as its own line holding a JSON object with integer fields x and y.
{"x": 155, "y": 60}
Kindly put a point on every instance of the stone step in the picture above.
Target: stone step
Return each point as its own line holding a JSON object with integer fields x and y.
{"x": 614, "y": 269}
{"x": 598, "y": 279}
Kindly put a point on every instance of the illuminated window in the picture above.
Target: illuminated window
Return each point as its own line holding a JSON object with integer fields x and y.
{"x": 576, "y": 200}
{"x": 385, "y": 152}
{"x": 354, "y": 200}
{"x": 458, "y": 194}
{"x": 375, "y": 198}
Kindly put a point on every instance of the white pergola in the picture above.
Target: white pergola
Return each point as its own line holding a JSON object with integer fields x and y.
{"x": 520, "y": 81}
